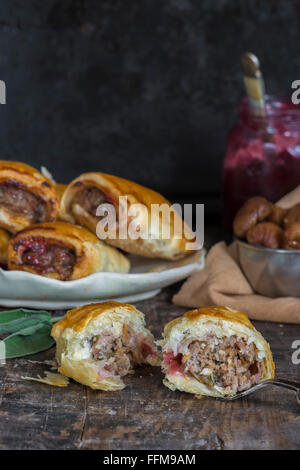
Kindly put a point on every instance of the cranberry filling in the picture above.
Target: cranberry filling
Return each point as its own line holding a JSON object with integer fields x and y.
{"x": 174, "y": 362}
{"x": 146, "y": 349}
{"x": 46, "y": 256}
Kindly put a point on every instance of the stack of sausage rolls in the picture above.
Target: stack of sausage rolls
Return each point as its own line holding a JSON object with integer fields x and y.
{"x": 50, "y": 229}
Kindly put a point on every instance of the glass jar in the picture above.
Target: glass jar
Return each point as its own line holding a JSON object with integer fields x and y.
{"x": 262, "y": 155}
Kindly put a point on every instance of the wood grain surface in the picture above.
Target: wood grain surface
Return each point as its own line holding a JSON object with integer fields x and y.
{"x": 147, "y": 415}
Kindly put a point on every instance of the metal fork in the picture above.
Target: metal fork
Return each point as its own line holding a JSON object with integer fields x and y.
{"x": 279, "y": 382}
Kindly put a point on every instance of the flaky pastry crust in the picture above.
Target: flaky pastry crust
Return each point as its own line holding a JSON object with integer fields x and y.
{"x": 4, "y": 241}
{"x": 60, "y": 189}
{"x": 113, "y": 187}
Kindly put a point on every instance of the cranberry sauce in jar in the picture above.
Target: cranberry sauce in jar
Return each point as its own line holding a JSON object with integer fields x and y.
{"x": 262, "y": 155}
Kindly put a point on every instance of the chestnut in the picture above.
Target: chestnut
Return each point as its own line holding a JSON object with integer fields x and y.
{"x": 291, "y": 237}
{"x": 293, "y": 215}
{"x": 253, "y": 211}
{"x": 277, "y": 215}
{"x": 265, "y": 234}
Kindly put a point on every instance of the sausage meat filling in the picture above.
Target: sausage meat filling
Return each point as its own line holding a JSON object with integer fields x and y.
{"x": 230, "y": 362}
{"x": 46, "y": 256}
{"x": 120, "y": 353}
{"x": 90, "y": 199}
{"x": 23, "y": 202}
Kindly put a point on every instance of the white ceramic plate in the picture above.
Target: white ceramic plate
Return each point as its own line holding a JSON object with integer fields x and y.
{"x": 146, "y": 278}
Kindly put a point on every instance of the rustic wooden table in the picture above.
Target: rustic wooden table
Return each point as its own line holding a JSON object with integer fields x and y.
{"x": 147, "y": 415}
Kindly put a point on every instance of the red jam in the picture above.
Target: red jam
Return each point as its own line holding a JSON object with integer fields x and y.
{"x": 174, "y": 362}
{"x": 146, "y": 349}
{"x": 46, "y": 255}
{"x": 262, "y": 156}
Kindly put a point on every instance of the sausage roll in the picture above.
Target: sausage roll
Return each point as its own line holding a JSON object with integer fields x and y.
{"x": 98, "y": 344}
{"x": 87, "y": 192}
{"x": 214, "y": 351}
{"x": 26, "y": 197}
{"x": 4, "y": 239}
{"x": 62, "y": 251}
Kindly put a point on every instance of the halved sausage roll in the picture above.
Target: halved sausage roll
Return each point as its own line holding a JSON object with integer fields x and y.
{"x": 214, "y": 351}
{"x": 62, "y": 251}
{"x": 87, "y": 192}
{"x": 26, "y": 196}
{"x": 98, "y": 344}
{"x": 4, "y": 240}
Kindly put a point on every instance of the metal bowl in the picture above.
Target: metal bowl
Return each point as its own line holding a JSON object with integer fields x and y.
{"x": 273, "y": 273}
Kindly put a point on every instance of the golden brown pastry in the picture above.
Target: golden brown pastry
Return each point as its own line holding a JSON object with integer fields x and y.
{"x": 291, "y": 237}
{"x": 214, "y": 351}
{"x": 26, "y": 196}
{"x": 265, "y": 234}
{"x": 98, "y": 344}
{"x": 60, "y": 189}
{"x": 4, "y": 240}
{"x": 253, "y": 211}
{"x": 62, "y": 251}
{"x": 84, "y": 195}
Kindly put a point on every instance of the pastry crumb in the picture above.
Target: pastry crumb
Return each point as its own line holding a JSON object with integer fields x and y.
{"x": 199, "y": 397}
{"x": 51, "y": 362}
{"x": 57, "y": 380}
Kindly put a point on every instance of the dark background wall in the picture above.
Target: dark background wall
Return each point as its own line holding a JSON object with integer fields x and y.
{"x": 145, "y": 89}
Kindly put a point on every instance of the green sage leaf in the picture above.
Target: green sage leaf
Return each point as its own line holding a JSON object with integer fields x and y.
{"x": 31, "y": 340}
{"x": 9, "y": 315}
{"x": 31, "y": 331}
{"x": 14, "y": 320}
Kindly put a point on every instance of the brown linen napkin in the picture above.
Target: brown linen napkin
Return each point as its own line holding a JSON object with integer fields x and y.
{"x": 221, "y": 282}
